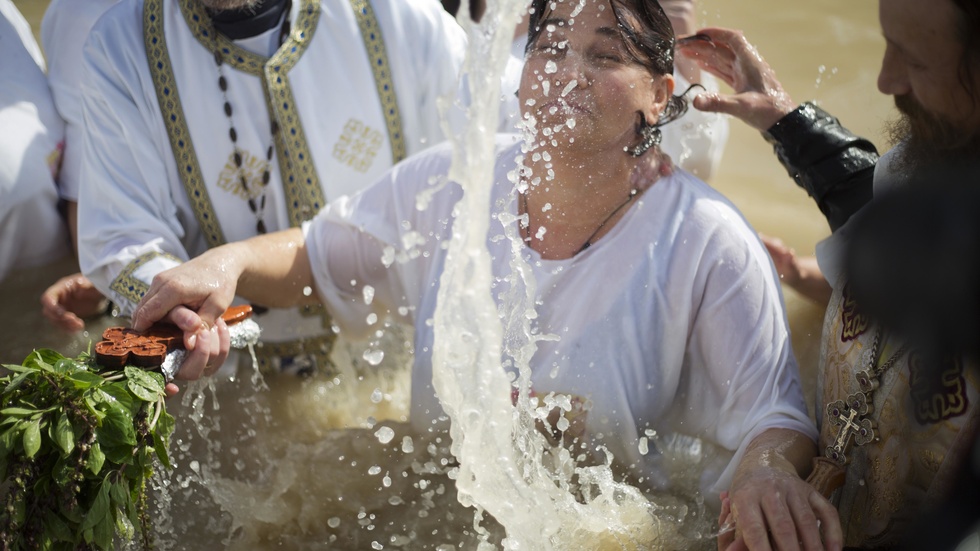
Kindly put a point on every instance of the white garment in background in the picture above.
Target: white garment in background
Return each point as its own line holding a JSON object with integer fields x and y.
{"x": 32, "y": 232}
{"x": 65, "y": 27}
{"x": 695, "y": 142}
{"x": 672, "y": 321}
{"x": 132, "y": 202}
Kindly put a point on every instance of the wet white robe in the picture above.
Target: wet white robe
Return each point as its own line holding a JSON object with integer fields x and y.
{"x": 686, "y": 335}
{"x": 32, "y": 232}
{"x": 135, "y": 216}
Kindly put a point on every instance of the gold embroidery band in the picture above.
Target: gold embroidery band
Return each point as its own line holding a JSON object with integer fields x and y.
{"x": 301, "y": 186}
{"x": 185, "y": 155}
{"x": 128, "y": 285}
{"x": 378, "y": 57}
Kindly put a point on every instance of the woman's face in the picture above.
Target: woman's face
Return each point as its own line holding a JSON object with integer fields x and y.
{"x": 580, "y": 85}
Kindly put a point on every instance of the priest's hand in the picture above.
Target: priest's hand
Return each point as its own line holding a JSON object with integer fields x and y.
{"x": 771, "y": 506}
{"x": 759, "y": 99}
{"x": 193, "y": 296}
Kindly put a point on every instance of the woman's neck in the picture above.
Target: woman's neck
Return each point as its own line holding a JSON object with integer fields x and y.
{"x": 584, "y": 199}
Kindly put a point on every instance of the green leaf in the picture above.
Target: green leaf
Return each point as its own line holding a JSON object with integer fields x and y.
{"x": 85, "y": 379}
{"x": 43, "y": 358}
{"x": 15, "y": 383}
{"x": 161, "y": 437}
{"x": 63, "y": 435}
{"x": 57, "y": 528}
{"x": 99, "y": 508}
{"x": 95, "y": 459}
{"x": 65, "y": 366}
{"x": 119, "y": 494}
{"x": 18, "y": 412}
{"x": 32, "y": 438}
{"x": 117, "y": 392}
{"x": 19, "y": 368}
{"x": 103, "y": 532}
{"x": 117, "y": 427}
{"x": 152, "y": 381}
{"x": 142, "y": 392}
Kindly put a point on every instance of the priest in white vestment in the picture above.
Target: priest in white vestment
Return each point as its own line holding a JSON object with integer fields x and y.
{"x": 32, "y": 232}
{"x": 182, "y": 153}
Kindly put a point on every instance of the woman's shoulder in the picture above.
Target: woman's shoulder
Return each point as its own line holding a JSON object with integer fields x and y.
{"x": 704, "y": 204}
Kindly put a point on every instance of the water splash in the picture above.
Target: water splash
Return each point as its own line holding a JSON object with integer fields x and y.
{"x": 539, "y": 493}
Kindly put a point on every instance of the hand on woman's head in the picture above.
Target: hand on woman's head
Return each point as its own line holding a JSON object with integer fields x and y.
{"x": 759, "y": 99}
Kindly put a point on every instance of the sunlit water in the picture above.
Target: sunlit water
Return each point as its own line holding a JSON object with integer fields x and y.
{"x": 331, "y": 462}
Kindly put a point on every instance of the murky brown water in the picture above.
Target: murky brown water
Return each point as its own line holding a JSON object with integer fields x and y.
{"x": 310, "y": 486}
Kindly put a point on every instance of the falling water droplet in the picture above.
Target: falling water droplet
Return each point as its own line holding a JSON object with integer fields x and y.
{"x": 385, "y": 434}
{"x": 374, "y": 357}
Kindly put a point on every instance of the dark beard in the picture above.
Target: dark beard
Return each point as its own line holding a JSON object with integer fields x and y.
{"x": 221, "y": 5}
{"x": 929, "y": 140}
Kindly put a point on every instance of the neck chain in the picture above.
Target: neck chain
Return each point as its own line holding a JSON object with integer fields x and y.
{"x": 852, "y": 418}
{"x": 256, "y": 199}
{"x": 588, "y": 242}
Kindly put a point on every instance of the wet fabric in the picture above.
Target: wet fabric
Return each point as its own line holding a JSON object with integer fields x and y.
{"x": 141, "y": 219}
{"x": 672, "y": 322}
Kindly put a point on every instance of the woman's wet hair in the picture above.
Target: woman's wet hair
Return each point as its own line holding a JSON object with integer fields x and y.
{"x": 647, "y": 35}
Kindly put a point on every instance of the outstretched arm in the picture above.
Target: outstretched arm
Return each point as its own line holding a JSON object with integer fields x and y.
{"x": 271, "y": 269}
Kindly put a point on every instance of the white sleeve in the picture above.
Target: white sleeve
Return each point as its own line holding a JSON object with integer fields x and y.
{"x": 696, "y": 141}
{"x": 13, "y": 16}
{"x": 65, "y": 27}
{"x": 383, "y": 239}
{"x": 127, "y": 225}
{"x": 741, "y": 341}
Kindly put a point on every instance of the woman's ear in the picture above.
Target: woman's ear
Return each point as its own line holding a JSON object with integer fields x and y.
{"x": 663, "y": 89}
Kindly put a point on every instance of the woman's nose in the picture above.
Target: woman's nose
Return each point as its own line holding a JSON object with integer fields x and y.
{"x": 571, "y": 69}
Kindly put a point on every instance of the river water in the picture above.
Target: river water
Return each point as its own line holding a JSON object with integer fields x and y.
{"x": 272, "y": 470}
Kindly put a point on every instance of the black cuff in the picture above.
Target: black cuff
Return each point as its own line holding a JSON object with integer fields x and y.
{"x": 833, "y": 165}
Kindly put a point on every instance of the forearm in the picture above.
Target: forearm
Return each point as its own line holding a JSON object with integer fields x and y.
{"x": 783, "y": 449}
{"x": 833, "y": 165}
{"x": 274, "y": 269}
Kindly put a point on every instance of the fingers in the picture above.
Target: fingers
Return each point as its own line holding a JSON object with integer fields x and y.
{"x": 168, "y": 292}
{"x": 69, "y": 298}
{"x": 207, "y": 345}
{"x": 717, "y": 103}
{"x": 833, "y": 534}
{"x": 752, "y": 525}
{"x": 807, "y": 529}
{"x": 61, "y": 318}
{"x": 726, "y": 528}
{"x": 220, "y": 346}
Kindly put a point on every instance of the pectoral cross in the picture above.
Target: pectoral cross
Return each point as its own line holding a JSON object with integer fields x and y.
{"x": 850, "y": 419}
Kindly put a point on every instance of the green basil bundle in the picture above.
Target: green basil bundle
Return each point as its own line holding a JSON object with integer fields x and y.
{"x": 77, "y": 448}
